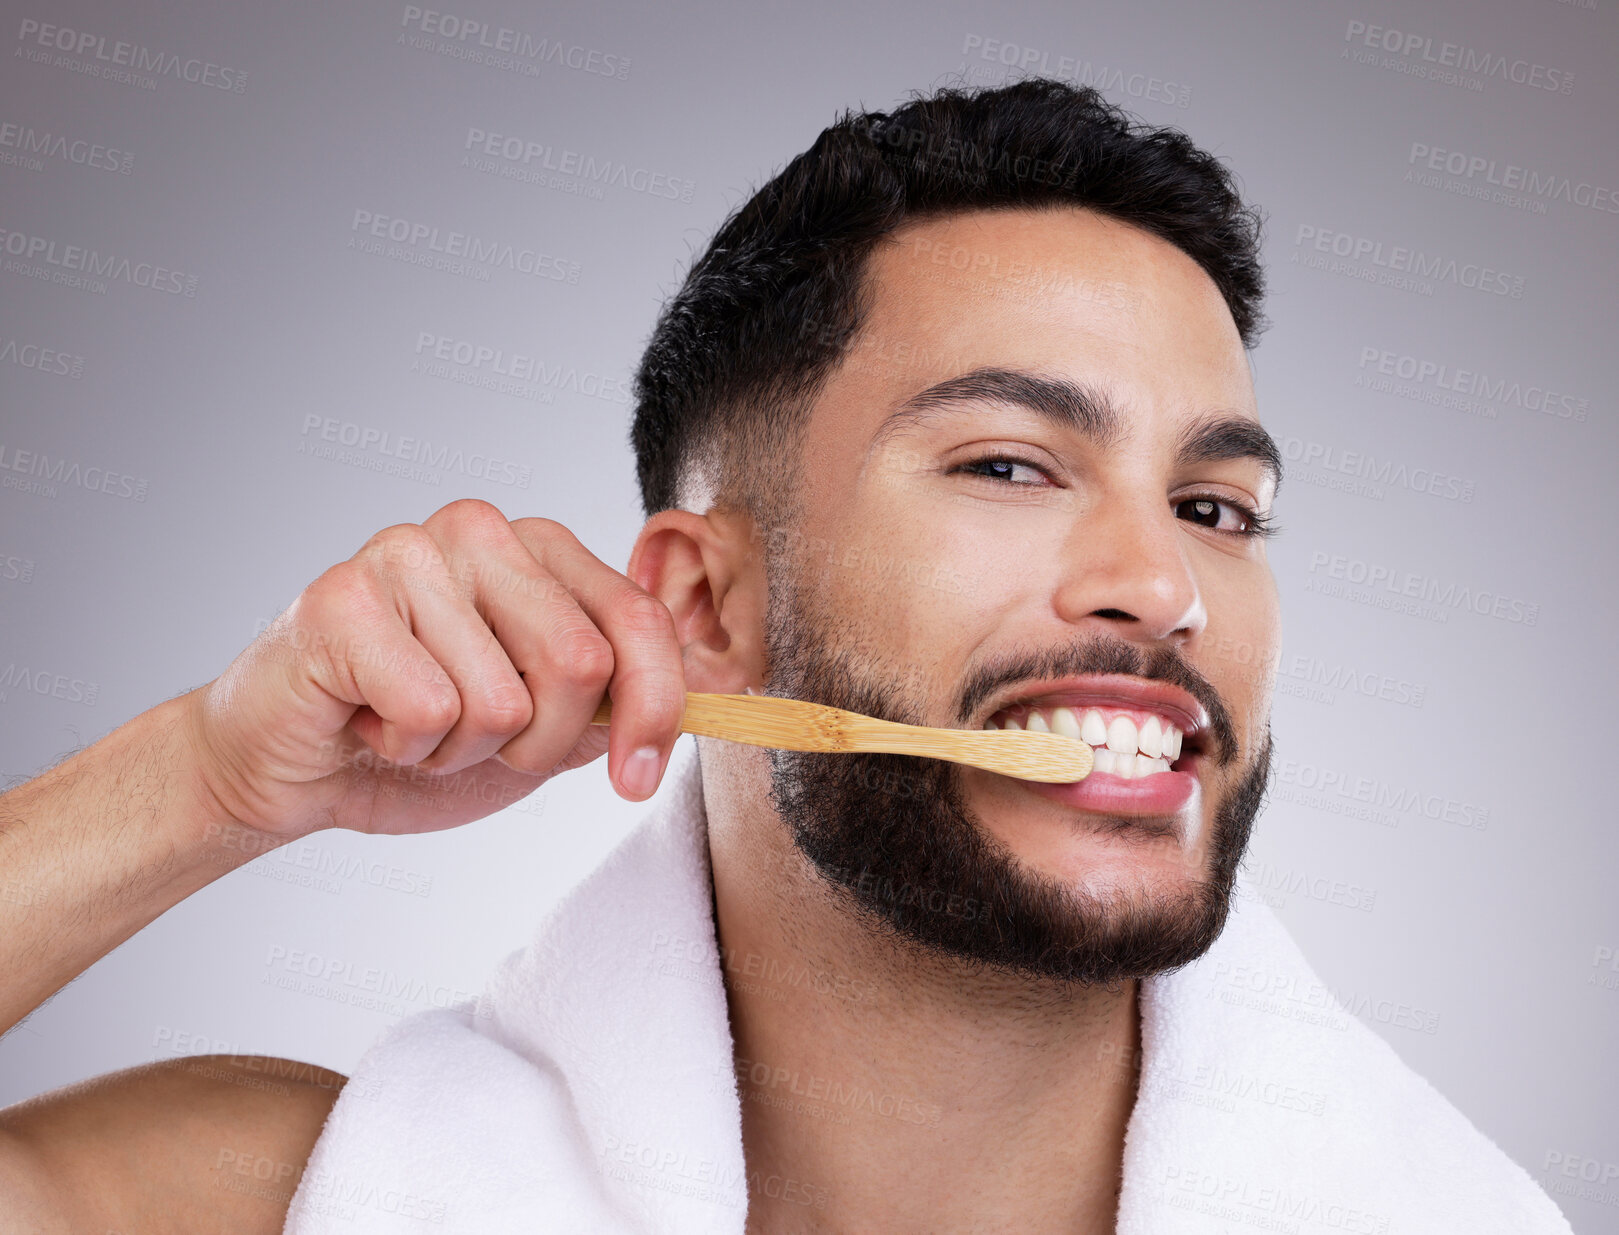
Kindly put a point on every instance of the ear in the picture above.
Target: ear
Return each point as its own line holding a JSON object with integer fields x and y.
{"x": 707, "y": 571}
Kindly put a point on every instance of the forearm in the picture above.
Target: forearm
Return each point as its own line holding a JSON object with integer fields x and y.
{"x": 100, "y": 845}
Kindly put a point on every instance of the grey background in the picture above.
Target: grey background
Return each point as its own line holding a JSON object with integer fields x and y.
{"x": 1480, "y": 953}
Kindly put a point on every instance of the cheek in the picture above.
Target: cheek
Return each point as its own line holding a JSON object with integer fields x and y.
{"x": 992, "y": 562}
{"x": 1243, "y": 640}
{"x": 927, "y": 590}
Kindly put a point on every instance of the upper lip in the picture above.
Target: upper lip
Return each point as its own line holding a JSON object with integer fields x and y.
{"x": 1120, "y": 690}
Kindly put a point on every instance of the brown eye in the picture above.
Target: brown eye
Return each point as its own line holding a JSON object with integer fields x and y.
{"x": 1203, "y": 510}
{"x": 1237, "y": 521}
{"x": 1004, "y": 468}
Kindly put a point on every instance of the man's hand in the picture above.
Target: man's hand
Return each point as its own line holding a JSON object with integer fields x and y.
{"x": 448, "y": 669}
{"x": 443, "y": 672}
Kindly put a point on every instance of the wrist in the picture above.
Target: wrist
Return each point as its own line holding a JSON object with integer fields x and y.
{"x": 208, "y": 812}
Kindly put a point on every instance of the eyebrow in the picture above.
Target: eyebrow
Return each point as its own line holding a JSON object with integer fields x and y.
{"x": 1086, "y": 410}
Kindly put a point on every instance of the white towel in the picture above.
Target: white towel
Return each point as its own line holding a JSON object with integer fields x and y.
{"x": 591, "y": 1089}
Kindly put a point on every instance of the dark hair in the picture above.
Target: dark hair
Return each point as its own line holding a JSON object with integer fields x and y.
{"x": 764, "y": 315}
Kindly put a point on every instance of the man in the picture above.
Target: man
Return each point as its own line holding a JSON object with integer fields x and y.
{"x": 952, "y": 424}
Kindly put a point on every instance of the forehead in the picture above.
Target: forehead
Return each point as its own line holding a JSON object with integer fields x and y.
{"x": 1065, "y": 291}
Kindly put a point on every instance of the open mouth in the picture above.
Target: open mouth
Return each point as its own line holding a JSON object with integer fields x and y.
{"x": 1130, "y": 743}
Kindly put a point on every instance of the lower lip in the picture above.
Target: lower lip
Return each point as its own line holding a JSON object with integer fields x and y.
{"x": 1162, "y": 793}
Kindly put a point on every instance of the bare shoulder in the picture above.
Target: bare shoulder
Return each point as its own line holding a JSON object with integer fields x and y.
{"x": 207, "y": 1143}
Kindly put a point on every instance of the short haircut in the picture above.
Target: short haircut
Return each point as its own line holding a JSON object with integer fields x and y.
{"x": 763, "y": 317}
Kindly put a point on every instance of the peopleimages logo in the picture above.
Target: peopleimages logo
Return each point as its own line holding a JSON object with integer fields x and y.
{"x": 1266, "y": 881}
{"x": 34, "y": 471}
{"x": 1039, "y": 61}
{"x": 429, "y": 457}
{"x": 1422, "y": 49}
{"x": 520, "y": 155}
{"x": 1263, "y": 1206}
{"x": 1376, "y": 471}
{"x": 1312, "y": 674}
{"x": 1379, "y": 795}
{"x": 1401, "y": 262}
{"x": 433, "y": 245}
{"x": 1429, "y": 589}
{"x": 1527, "y": 180}
{"x": 80, "y": 265}
{"x": 45, "y": 683}
{"x": 464, "y": 38}
{"x": 40, "y": 359}
{"x": 94, "y": 55}
{"x": 21, "y": 142}
{"x": 519, "y": 369}
{"x": 1465, "y": 383}
{"x": 341, "y": 975}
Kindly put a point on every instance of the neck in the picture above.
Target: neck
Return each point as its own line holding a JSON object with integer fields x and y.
{"x": 886, "y": 1087}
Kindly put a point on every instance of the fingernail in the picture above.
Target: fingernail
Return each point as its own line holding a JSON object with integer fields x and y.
{"x": 640, "y": 773}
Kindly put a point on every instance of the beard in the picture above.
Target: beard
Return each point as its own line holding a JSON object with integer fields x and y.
{"x": 894, "y": 838}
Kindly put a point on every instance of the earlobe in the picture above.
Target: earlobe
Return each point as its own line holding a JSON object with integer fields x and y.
{"x": 703, "y": 569}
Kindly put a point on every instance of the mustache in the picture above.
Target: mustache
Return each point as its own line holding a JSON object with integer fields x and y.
{"x": 1102, "y": 654}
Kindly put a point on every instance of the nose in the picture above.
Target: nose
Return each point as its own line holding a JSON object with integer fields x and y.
{"x": 1128, "y": 570}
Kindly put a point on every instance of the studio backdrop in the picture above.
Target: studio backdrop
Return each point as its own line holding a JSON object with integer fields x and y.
{"x": 276, "y": 276}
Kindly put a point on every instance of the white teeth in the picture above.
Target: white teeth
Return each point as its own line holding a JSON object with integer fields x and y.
{"x": 1127, "y": 767}
{"x": 1150, "y": 741}
{"x": 1121, "y": 735}
{"x": 1093, "y": 732}
{"x": 1139, "y": 751}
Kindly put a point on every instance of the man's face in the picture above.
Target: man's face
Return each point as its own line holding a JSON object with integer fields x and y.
{"x": 1013, "y": 503}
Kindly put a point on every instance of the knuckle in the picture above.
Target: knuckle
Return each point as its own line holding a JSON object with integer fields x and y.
{"x": 345, "y": 596}
{"x": 438, "y": 710}
{"x": 408, "y": 546}
{"x": 643, "y": 614}
{"x": 543, "y": 531}
{"x": 473, "y": 515}
{"x": 399, "y": 534}
{"x": 331, "y": 623}
{"x": 584, "y": 658}
{"x": 506, "y": 705}
{"x": 343, "y": 583}
{"x": 549, "y": 528}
